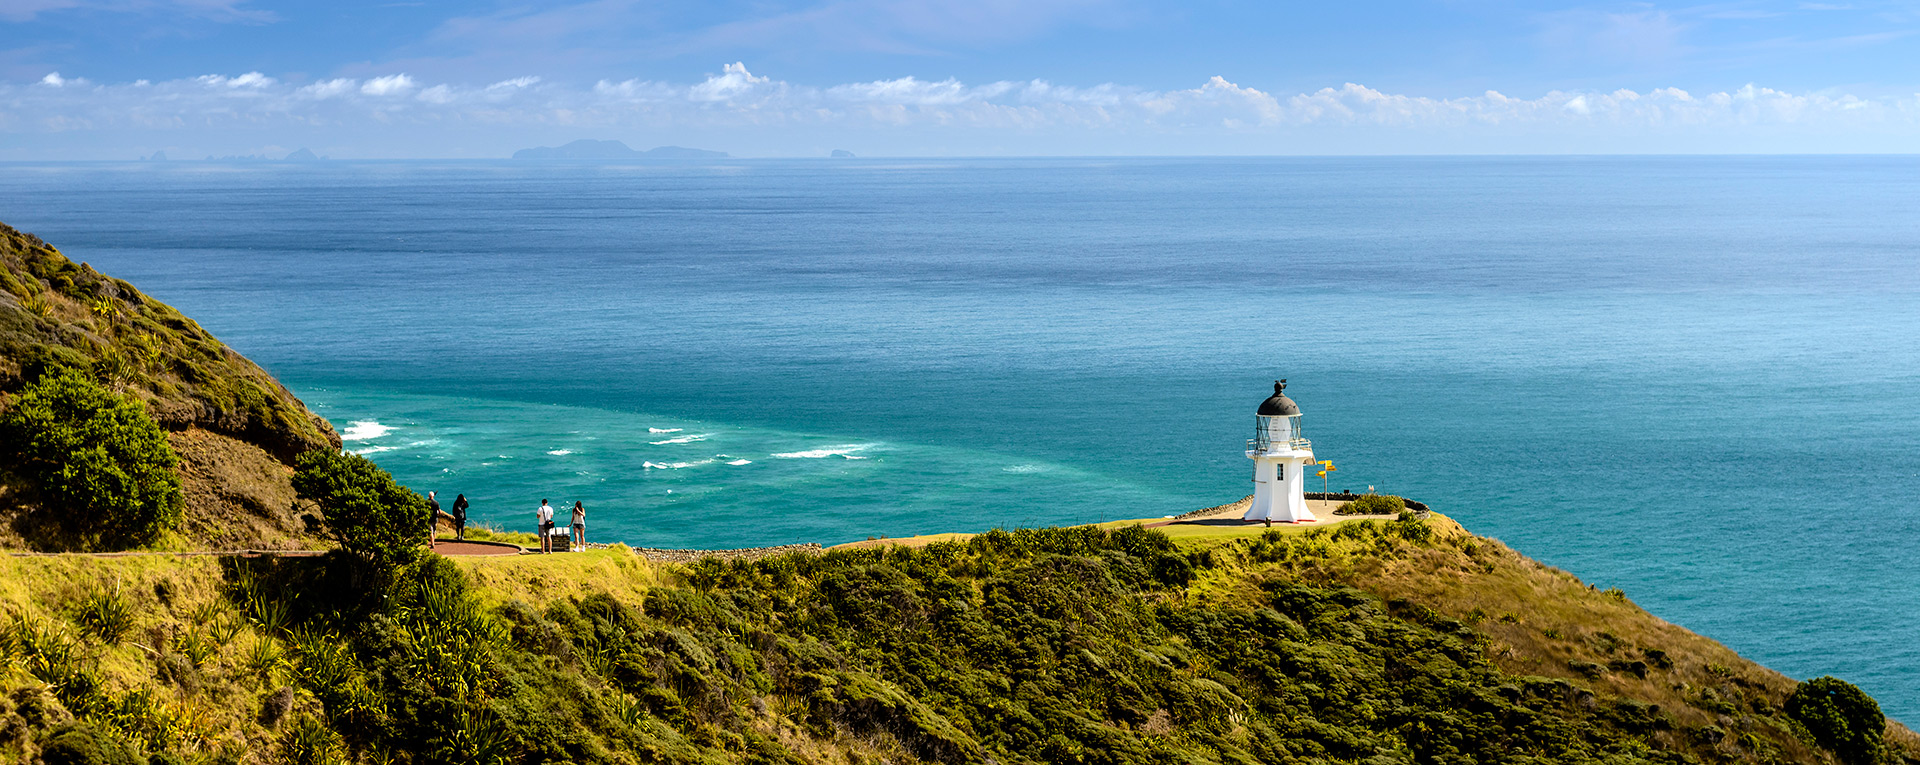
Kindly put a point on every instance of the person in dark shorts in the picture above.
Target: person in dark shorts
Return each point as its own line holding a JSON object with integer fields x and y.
{"x": 460, "y": 516}
{"x": 433, "y": 518}
{"x": 544, "y": 516}
{"x": 579, "y": 527}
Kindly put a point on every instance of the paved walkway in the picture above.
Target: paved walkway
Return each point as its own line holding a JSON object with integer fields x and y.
{"x": 1229, "y": 515}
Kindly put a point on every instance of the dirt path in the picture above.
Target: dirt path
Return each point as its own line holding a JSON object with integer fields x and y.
{"x": 458, "y": 548}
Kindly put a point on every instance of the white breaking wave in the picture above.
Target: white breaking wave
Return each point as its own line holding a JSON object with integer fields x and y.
{"x": 665, "y": 430}
{"x": 374, "y": 450}
{"x": 682, "y": 439}
{"x": 364, "y": 430}
{"x": 561, "y": 452}
{"x": 741, "y": 462}
{"x": 672, "y": 465}
{"x": 844, "y": 451}
{"x": 1023, "y": 469}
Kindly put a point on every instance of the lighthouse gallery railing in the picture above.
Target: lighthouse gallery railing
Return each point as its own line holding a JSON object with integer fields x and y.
{"x": 1266, "y": 444}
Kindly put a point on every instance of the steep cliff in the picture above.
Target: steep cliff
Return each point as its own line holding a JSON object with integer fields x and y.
{"x": 235, "y": 428}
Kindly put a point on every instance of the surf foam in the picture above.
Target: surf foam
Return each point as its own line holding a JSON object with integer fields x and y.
{"x": 682, "y": 439}
{"x": 651, "y": 465}
{"x": 665, "y": 430}
{"x": 364, "y": 430}
{"x": 844, "y": 451}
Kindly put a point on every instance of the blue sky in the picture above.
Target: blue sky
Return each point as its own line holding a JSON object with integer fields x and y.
{"x": 122, "y": 78}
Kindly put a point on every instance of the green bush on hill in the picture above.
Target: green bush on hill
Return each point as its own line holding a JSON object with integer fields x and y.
{"x": 103, "y": 468}
{"x": 370, "y": 515}
{"x": 1841, "y": 718}
{"x": 1373, "y": 504}
{"x": 83, "y": 744}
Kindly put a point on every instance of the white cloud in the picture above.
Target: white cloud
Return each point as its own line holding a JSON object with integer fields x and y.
{"x": 329, "y": 88}
{"x": 391, "y": 85}
{"x": 253, "y": 80}
{"x": 733, "y": 82}
{"x": 514, "y": 84}
{"x": 438, "y": 94}
{"x": 993, "y": 113}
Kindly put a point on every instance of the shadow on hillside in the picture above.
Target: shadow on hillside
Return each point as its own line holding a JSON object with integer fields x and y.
{"x": 25, "y": 524}
{"x": 288, "y": 594}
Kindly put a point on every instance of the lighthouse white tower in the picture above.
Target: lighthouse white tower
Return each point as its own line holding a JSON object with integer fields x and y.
{"x": 1280, "y": 459}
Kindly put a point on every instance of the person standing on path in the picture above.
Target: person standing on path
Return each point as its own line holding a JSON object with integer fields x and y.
{"x": 579, "y": 527}
{"x": 433, "y": 518}
{"x": 460, "y": 516}
{"x": 545, "y": 518}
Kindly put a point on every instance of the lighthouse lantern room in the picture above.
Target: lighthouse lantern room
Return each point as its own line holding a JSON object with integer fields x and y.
{"x": 1281, "y": 458}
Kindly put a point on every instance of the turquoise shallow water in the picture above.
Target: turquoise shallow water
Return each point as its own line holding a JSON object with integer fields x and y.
{"x": 1694, "y": 379}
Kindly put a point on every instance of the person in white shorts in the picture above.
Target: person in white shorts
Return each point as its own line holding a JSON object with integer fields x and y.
{"x": 545, "y": 517}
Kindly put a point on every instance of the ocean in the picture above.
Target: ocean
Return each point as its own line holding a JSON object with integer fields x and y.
{"x": 1696, "y": 379}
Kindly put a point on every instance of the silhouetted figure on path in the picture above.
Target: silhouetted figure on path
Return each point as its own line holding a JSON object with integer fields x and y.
{"x": 460, "y": 516}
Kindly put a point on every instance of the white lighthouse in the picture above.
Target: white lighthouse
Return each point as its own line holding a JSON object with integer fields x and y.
{"x": 1280, "y": 461}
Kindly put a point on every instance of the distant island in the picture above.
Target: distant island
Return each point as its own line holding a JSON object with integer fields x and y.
{"x": 842, "y": 154}
{"x": 297, "y": 155}
{"x": 591, "y": 149}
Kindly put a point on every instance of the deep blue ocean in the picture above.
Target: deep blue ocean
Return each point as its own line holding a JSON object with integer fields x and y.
{"x": 1696, "y": 379}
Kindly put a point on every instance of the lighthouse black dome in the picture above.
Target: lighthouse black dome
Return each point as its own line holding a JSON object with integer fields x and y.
{"x": 1279, "y": 405}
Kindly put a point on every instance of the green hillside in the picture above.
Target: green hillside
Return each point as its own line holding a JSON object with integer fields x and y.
{"x": 1346, "y": 644}
{"x": 235, "y": 429}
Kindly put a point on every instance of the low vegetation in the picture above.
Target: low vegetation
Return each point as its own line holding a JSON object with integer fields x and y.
{"x": 1372, "y": 504}
{"x": 1056, "y": 645}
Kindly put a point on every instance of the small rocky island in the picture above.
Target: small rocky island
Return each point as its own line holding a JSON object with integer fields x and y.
{"x": 591, "y": 149}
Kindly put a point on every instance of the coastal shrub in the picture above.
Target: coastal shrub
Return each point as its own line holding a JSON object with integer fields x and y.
{"x": 1841, "y": 718}
{"x": 106, "y": 614}
{"x": 371, "y": 516}
{"x": 1373, "y": 504}
{"x": 310, "y": 742}
{"x": 81, "y": 743}
{"x": 98, "y": 460}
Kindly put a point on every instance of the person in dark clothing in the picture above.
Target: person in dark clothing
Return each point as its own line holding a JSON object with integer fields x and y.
{"x": 433, "y": 518}
{"x": 460, "y": 516}
{"x": 579, "y": 528}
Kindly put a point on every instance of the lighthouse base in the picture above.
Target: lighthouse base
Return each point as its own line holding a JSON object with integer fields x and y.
{"x": 1279, "y": 493}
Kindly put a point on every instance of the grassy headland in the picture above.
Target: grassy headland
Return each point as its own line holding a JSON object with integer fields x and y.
{"x": 1404, "y": 641}
{"x": 1365, "y": 641}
